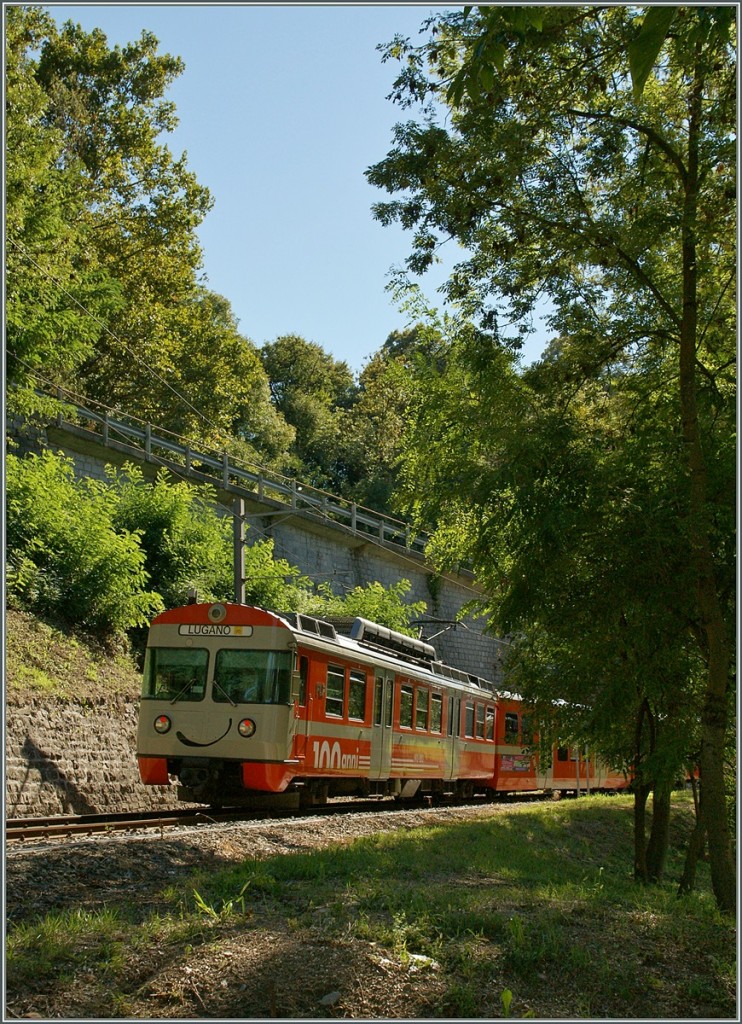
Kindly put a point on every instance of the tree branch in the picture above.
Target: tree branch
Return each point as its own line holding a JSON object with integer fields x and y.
{"x": 642, "y": 129}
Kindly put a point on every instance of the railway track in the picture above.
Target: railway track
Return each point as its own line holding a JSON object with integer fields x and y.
{"x": 61, "y": 826}
{"x": 64, "y": 826}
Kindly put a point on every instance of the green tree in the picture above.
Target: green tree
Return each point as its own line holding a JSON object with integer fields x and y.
{"x": 188, "y": 544}
{"x": 376, "y": 423}
{"x": 207, "y": 383}
{"x": 617, "y": 203}
{"x": 313, "y": 392}
{"x": 66, "y": 555}
{"x": 185, "y": 543}
{"x": 377, "y": 420}
{"x": 140, "y": 206}
{"x": 103, "y": 289}
{"x": 375, "y": 602}
{"x": 52, "y": 275}
{"x": 567, "y": 507}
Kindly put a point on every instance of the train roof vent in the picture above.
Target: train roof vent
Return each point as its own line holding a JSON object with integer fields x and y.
{"x": 342, "y": 624}
{"x": 372, "y": 633}
{"x": 449, "y": 672}
{"x": 308, "y": 624}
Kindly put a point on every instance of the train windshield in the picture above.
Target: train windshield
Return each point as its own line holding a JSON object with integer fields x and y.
{"x": 175, "y": 673}
{"x": 253, "y": 677}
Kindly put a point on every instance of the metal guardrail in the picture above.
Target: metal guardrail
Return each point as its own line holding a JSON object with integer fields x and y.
{"x": 159, "y": 446}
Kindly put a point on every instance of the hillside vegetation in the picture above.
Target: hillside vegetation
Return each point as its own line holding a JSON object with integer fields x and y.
{"x": 43, "y": 659}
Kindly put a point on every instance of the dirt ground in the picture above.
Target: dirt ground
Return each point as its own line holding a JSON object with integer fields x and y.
{"x": 262, "y": 967}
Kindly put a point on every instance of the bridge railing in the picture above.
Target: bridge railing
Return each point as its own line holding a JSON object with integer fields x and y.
{"x": 197, "y": 460}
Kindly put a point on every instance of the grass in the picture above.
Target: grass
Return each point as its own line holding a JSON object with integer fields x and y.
{"x": 44, "y": 658}
{"x": 531, "y": 912}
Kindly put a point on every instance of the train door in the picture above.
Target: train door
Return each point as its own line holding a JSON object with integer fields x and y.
{"x": 302, "y": 708}
{"x": 571, "y": 770}
{"x": 452, "y": 732}
{"x": 381, "y": 729}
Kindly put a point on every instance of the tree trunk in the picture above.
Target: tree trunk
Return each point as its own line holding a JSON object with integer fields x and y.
{"x": 694, "y": 851}
{"x": 714, "y": 711}
{"x": 641, "y": 792}
{"x": 660, "y": 835}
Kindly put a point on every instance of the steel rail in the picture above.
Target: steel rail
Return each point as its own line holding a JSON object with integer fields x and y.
{"x": 62, "y": 826}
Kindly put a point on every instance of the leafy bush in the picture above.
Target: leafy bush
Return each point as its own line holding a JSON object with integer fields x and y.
{"x": 186, "y": 544}
{"x": 86, "y": 551}
{"x": 65, "y": 554}
{"x": 375, "y": 602}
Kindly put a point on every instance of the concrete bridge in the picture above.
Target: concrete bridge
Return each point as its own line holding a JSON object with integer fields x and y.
{"x": 326, "y": 537}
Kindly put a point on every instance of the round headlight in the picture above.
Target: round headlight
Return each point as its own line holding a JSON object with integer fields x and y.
{"x": 246, "y": 727}
{"x": 217, "y": 613}
{"x": 162, "y": 724}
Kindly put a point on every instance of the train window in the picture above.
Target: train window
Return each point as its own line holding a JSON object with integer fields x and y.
{"x": 562, "y": 754}
{"x": 175, "y": 673}
{"x": 388, "y": 709}
{"x": 422, "y": 698}
{"x": 480, "y": 720}
{"x": 303, "y": 677}
{"x": 378, "y": 693}
{"x": 489, "y": 726}
{"x": 335, "y": 690}
{"x": 526, "y": 731}
{"x": 253, "y": 677}
{"x": 436, "y": 712}
{"x": 469, "y": 730}
{"x": 405, "y": 707}
{"x": 357, "y": 695}
{"x": 511, "y": 727}
{"x": 449, "y": 729}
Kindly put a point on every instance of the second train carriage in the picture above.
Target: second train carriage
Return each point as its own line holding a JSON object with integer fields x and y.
{"x": 239, "y": 701}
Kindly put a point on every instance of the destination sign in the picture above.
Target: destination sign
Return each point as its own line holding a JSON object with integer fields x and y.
{"x": 212, "y": 629}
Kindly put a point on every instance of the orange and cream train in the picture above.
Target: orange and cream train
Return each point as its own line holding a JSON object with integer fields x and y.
{"x": 239, "y": 702}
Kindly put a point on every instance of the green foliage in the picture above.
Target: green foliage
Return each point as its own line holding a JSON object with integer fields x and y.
{"x": 52, "y": 276}
{"x": 592, "y": 491}
{"x": 50, "y": 945}
{"x": 644, "y": 49}
{"x": 65, "y": 554}
{"x": 376, "y": 424}
{"x": 188, "y": 544}
{"x": 313, "y": 392}
{"x": 228, "y": 908}
{"x": 85, "y": 550}
{"x": 185, "y": 543}
{"x": 103, "y": 258}
{"x": 384, "y": 605}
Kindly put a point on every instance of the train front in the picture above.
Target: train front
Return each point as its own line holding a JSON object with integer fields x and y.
{"x": 217, "y": 710}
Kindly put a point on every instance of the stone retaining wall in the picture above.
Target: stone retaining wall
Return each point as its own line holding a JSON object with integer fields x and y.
{"x": 73, "y": 757}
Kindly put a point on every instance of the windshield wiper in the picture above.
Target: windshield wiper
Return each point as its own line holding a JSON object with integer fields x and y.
{"x": 180, "y": 693}
{"x": 219, "y": 687}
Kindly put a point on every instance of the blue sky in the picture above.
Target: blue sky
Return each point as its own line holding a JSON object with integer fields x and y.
{"x": 282, "y": 108}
